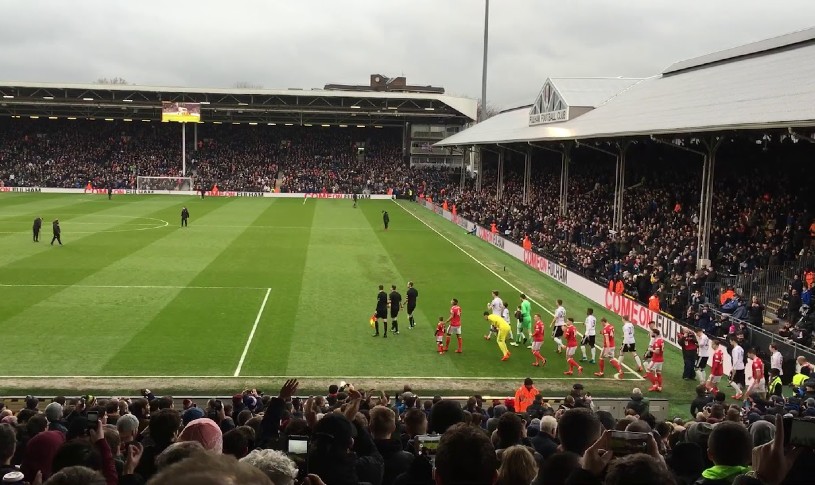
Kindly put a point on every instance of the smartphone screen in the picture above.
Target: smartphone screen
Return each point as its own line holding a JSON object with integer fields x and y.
{"x": 298, "y": 445}
{"x": 428, "y": 444}
{"x": 297, "y": 450}
{"x": 802, "y": 433}
{"x": 627, "y": 443}
{"x": 93, "y": 419}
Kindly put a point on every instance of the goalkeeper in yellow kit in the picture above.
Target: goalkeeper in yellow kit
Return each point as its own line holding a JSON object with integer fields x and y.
{"x": 503, "y": 330}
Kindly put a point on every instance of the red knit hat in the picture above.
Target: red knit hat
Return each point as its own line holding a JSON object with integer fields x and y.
{"x": 204, "y": 431}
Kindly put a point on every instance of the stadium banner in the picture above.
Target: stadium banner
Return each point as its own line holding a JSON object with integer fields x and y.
{"x": 640, "y": 314}
{"x": 180, "y": 112}
{"x": 220, "y": 193}
{"x": 22, "y": 189}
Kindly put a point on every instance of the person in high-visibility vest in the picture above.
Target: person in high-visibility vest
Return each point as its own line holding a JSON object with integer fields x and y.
{"x": 653, "y": 303}
{"x": 525, "y": 395}
{"x": 494, "y": 228}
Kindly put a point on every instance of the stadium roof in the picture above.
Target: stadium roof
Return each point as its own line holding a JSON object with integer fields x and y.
{"x": 768, "y": 84}
{"x": 590, "y": 91}
{"x": 297, "y": 106}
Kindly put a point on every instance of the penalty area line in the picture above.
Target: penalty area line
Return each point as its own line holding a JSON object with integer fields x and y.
{"x": 252, "y": 334}
{"x": 497, "y": 275}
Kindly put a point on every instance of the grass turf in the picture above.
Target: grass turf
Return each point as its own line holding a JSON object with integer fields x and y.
{"x": 133, "y": 294}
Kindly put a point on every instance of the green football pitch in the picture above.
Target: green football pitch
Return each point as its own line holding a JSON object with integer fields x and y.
{"x": 263, "y": 289}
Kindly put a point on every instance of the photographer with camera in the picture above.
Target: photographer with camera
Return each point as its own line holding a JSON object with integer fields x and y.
{"x": 689, "y": 345}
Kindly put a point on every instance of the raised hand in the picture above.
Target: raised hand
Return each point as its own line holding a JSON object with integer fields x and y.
{"x": 288, "y": 389}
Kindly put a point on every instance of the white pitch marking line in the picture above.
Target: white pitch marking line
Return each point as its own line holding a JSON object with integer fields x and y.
{"x": 160, "y": 287}
{"x": 252, "y": 333}
{"x": 497, "y": 275}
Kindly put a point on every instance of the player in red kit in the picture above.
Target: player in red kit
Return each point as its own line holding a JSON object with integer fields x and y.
{"x": 657, "y": 359}
{"x": 570, "y": 334}
{"x": 440, "y": 335}
{"x": 759, "y": 385}
{"x": 537, "y": 341}
{"x": 455, "y": 325}
{"x": 608, "y": 351}
{"x": 716, "y": 367}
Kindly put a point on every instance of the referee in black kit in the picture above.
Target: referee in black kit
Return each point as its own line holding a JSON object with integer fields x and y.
{"x": 386, "y": 219}
{"x": 382, "y": 311}
{"x": 412, "y": 294}
{"x": 36, "y": 228}
{"x": 57, "y": 232}
{"x": 185, "y": 214}
{"x": 395, "y": 299}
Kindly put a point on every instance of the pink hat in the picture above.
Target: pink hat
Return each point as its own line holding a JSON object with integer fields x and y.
{"x": 204, "y": 431}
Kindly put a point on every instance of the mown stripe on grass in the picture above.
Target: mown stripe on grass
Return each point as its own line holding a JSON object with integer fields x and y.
{"x": 81, "y": 256}
{"x": 196, "y": 329}
{"x": 65, "y": 321}
{"x": 276, "y": 259}
{"x": 17, "y": 252}
{"x": 340, "y": 283}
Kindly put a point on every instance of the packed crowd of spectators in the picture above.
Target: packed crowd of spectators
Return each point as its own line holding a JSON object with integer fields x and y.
{"x": 350, "y": 436}
{"x": 71, "y": 154}
{"x": 760, "y": 216}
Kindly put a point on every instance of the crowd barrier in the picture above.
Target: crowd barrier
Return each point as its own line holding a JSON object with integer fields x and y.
{"x": 220, "y": 193}
{"x": 639, "y": 314}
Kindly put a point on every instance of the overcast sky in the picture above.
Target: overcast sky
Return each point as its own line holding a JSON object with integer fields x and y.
{"x": 307, "y": 43}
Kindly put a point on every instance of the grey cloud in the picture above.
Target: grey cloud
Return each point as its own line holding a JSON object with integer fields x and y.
{"x": 307, "y": 43}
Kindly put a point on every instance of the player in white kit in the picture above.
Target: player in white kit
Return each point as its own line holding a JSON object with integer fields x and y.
{"x": 737, "y": 380}
{"x": 496, "y": 306}
{"x": 647, "y": 357}
{"x": 558, "y": 321}
{"x": 630, "y": 343}
{"x": 589, "y": 336}
{"x": 505, "y": 316}
{"x": 702, "y": 354}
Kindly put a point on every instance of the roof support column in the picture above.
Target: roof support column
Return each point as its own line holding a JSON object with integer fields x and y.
{"x": 465, "y": 153}
{"x": 619, "y": 180}
{"x": 183, "y": 149}
{"x": 527, "y": 169}
{"x": 527, "y": 175}
{"x": 565, "y": 159}
{"x": 499, "y": 191}
{"x": 195, "y": 137}
{"x": 478, "y": 167}
{"x": 711, "y": 145}
{"x": 619, "y": 190}
{"x": 706, "y": 206}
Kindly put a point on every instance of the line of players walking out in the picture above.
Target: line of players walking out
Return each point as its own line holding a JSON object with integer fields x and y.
{"x": 530, "y": 328}
{"x": 564, "y": 329}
